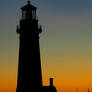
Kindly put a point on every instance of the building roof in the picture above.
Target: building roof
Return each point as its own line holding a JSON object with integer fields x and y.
{"x": 29, "y": 6}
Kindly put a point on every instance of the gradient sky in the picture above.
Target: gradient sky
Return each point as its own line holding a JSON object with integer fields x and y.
{"x": 66, "y": 43}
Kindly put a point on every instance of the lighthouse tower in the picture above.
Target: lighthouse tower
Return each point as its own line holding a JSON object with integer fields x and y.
{"x": 29, "y": 65}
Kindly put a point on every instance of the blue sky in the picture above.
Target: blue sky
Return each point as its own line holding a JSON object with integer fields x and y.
{"x": 55, "y": 6}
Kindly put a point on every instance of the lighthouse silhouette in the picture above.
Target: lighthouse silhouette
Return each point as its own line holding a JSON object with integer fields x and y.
{"x": 29, "y": 64}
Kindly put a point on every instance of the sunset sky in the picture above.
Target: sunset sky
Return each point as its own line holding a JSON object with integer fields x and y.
{"x": 65, "y": 44}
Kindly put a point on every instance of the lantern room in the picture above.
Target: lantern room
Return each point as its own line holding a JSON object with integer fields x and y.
{"x": 28, "y": 12}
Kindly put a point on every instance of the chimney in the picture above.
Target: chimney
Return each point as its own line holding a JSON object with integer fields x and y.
{"x": 51, "y": 82}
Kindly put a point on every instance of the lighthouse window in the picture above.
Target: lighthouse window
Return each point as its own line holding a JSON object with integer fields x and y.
{"x": 28, "y": 14}
{"x": 34, "y": 14}
{"x": 23, "y": 14}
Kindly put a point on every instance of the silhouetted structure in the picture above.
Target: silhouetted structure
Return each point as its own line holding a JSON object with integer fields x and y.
{"x": 88, "y": 90}
{"x": 77, "y": 90}
{"x": 29, "y": 67}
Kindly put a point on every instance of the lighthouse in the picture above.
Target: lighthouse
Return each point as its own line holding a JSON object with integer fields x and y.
{"x": 29, "y": 64}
